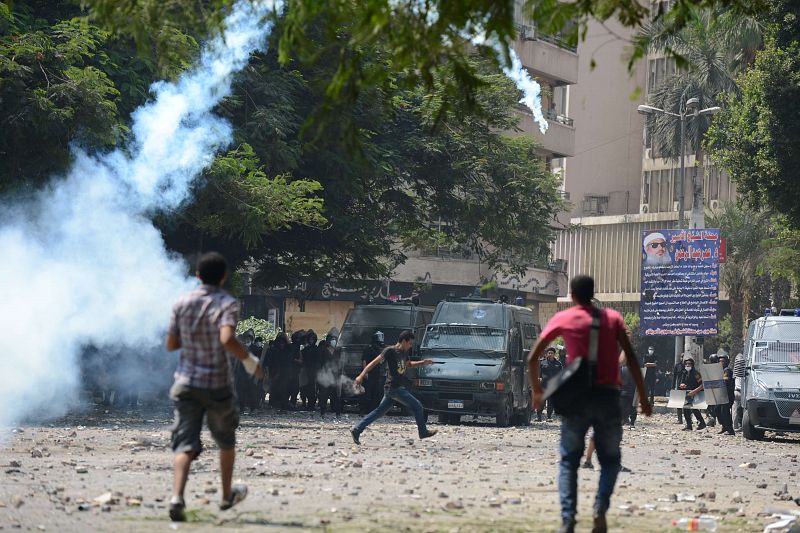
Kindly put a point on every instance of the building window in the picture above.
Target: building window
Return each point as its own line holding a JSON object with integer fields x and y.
{"x": 646, "y": 188}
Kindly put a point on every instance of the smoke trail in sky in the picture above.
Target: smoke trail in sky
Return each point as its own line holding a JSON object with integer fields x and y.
{"x": 82, "y": 262}
{"x": 531, "y": 90}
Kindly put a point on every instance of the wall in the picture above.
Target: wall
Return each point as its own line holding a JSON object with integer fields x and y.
{"x": 608, "y": 130}
{"x": 320, "y": 316}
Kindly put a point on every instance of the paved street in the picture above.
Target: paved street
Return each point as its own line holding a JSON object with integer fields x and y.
{"x": 112, "y": 473}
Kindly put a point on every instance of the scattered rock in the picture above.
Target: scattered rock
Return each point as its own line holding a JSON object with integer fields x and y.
{"x": 693, "y": 452}
{"x": 36, "y": 453}
{"x": 737, "y": 497}
{"x": 81, "y": 470}
{"x": 454, "y": 505}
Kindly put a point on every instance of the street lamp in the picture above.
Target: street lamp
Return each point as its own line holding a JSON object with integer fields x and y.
{"x": 697, "y": 200}
{"x": 682, "y": 116}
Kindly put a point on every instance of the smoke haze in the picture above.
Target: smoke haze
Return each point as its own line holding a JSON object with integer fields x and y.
{"x": 82, "y": 262}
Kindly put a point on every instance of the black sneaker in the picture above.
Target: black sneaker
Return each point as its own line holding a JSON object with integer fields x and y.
{"x": 587, "y": 464}
{"x": 429, "y": 434}
{"x": 687, "y": 428}
{"x": 238, "y": 493}
{"x": 702, "y": 426}
{"x": 355, "y": 434}
{"x": 567, "y": 527}
{"x": 177, "y": 511}
{"x": 599, "y": 524}
{"x": 730, "y": 432}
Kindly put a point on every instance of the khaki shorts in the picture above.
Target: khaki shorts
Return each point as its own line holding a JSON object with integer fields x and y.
{"x": 191, "y": 404}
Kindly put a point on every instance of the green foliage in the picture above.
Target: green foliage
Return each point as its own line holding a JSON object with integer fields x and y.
{"x": 238, "y": 201}
{"x": 420, "y": 38}
{"x": 262, "y": 328}
{"x": 756, "y": 139}
{"x": 55, "y": 91}
{"x": 714, "y": 46}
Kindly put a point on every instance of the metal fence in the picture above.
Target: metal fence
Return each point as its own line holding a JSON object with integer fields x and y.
{"x": 776, "y": 352}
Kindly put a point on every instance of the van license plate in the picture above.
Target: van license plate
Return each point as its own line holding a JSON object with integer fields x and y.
{"x": 455, "y": 405}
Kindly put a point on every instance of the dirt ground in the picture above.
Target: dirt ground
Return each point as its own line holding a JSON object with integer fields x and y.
{"x": 110, "y": 471}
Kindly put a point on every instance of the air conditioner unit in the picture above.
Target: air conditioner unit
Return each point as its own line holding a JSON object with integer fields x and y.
{"x": 648, "y": 153}
{"x": 644, "y": 208}
{"x": 527, "y": 33}
{"x": 714, "y": 205}
{"x": 676, "y": 206}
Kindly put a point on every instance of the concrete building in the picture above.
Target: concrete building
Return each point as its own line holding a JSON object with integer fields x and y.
{"x": 617, "y": 181}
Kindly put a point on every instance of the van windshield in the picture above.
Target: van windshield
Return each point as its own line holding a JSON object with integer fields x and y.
{"x": 479, "y": 314}
{"x": 777, "y": 353}
{"x": 482, "y": 338}
{"x": 778, "y": 330}
{"x": 353, "y": 335}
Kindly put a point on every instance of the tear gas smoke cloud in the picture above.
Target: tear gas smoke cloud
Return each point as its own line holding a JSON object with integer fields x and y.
{"x": 82, "y": 262}
{"x": 530, "y": 88}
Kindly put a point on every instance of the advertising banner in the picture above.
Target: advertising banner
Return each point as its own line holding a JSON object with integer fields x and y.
{"x": 680, "y": 282}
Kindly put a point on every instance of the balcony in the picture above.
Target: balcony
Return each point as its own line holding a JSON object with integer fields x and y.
{"x": 558, "y": 141}
{"x": 547, "y": 57}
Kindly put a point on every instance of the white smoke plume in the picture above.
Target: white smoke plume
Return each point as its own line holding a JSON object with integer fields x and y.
{"x": 82, "y": 262}
{"x": 531, "y": 90}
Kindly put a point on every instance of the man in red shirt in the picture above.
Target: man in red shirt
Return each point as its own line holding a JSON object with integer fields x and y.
{"x": 602, "y": 408}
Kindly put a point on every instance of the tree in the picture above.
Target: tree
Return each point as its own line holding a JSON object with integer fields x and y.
{"x": 420, "y": 38}
{"x": 757, "y": 139}
{"x": 746, "y": 232}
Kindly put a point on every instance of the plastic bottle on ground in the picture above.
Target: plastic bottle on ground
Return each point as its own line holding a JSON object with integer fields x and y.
{"x": 703, "y": 523}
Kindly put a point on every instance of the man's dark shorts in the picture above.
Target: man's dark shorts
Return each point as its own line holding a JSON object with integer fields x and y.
{"x": 191, "y": 403}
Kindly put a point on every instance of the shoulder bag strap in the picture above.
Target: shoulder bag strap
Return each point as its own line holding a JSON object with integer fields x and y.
{"x": 594, "y": 335}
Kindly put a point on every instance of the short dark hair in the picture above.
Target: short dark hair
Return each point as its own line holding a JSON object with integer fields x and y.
{"x": 582, "y": 289}
{"x": 405, "y": 335}
{"x": 211, "y": 268}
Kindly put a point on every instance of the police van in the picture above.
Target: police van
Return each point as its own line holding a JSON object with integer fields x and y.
{"x": 771, "y": 386}
{"x": 479, "y": 350}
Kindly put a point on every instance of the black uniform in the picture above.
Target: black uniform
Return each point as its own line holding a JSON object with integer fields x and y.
{"x": 547, "y": 369}
{"x": 375, "y": 379}
{"x": 650, "y": 377}
{"x": 311, "y": 363}
{"x": 329, "y": 379}
{"x": 724, "y": 410}
{"x": 692, "y": 380}
{"x": 626, "y": 396}
{"x": 677, "y": 372}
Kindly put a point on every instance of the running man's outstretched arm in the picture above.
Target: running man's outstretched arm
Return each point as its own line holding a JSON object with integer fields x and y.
{"x": 372, "y": 364}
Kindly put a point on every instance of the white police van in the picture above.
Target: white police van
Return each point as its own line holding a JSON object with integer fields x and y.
{"x": 771, "y": 387}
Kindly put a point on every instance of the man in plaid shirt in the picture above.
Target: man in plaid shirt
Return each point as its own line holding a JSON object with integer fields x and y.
{"x": 203, "y": 327}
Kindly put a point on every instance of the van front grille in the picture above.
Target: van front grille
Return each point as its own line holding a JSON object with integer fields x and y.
{"x": 455, "y": 385}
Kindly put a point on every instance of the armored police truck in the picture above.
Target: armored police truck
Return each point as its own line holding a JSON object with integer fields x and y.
{"x": 771, "y": 388}
{"x": 479, "y": 352}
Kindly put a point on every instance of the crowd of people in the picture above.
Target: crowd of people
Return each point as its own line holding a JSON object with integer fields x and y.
{"x": 302, "y": 373}
{"x": 687, "y": 378}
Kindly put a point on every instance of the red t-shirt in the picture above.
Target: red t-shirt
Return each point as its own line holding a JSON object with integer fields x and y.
{"x": 574, "y": 324}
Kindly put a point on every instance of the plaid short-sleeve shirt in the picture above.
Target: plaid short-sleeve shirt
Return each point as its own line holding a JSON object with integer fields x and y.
{"x": 197, "y": 318}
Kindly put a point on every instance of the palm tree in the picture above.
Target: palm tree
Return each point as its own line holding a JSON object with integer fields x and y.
{"x": 746, "y": 233}
{"x": 714, "y": 47}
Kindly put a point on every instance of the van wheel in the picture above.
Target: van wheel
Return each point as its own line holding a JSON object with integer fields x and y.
{"x": 523, "y": 417}
{"x": 505, "y": 412}
{"x": 749, "y": 432}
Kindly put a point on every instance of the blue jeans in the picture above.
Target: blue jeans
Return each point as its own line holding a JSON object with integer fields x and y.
{"x": 603, "y": 414}
{"x": 400, "y": 395}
